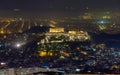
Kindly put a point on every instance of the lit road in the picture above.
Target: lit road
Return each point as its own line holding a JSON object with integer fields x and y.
{"x": 8, "y": 23}
{"x": 3, "y": 24}
{"x": 22, "y": 25}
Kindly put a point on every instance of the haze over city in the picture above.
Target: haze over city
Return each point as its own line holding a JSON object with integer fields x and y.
{"x": 60, "y": 7}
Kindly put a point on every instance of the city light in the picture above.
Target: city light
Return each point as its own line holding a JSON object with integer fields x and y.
{"x": 77, "y": 70}
{"x": 103, "y": 22}
{"x": 3, "y": 63}
{"x": 18, "y": 45}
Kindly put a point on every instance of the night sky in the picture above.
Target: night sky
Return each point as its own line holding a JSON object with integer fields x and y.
{"x": 58, "y": 5}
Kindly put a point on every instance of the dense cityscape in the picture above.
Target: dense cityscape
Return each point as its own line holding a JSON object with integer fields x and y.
{"x": 61, "y": 44}
{"x": 59, "y": 37}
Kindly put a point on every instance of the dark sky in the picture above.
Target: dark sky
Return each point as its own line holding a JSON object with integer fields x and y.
{"x": 58, "y": 5}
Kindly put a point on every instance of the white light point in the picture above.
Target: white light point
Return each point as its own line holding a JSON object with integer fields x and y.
{"x": 18, "y": 45}
{"x": 2, "y": 63}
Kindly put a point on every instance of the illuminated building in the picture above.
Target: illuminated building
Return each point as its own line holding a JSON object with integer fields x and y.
{"x": 72, "y": 32}
{"x": 59, "y": 36}
{"x": 45, "y": 53}
{"x": 56, "y": 30}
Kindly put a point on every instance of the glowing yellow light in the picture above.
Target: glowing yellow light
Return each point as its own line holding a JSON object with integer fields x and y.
{"x": 50, "y": 53}
{"x": 56, "y": 30}
{"x": 42, "y": 53}
{"x": 1, "y": 32}
{"x": 72, "y": 32}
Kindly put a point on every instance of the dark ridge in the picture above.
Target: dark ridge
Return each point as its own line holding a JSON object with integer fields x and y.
{"x": 111, "y": 40}
{"x": 38, "y": 29}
